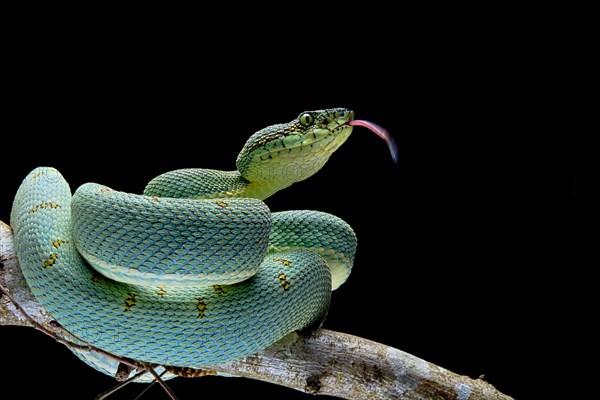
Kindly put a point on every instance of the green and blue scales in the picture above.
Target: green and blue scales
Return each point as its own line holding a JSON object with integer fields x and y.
{"x": 196, "y": 271}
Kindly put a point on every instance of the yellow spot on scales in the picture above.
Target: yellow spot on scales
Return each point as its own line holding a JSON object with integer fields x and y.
{"x": 51, "y": 260}
{"x": 37, "y": 175}
{"x": 201, "y": 306}
{"x": 161, "y": 291}
{"x": 221, "y": 204}
{"x": 219, "y": 289}
{"x": 283, "y": 281}
{"x": 130, "y": 301}
{"x": 287, "y": 263}
{"x": 43, "y": 206}
{"x": 59, "y": 242}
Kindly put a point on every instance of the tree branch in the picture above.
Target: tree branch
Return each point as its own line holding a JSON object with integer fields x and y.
{"x": 322, "y": 362}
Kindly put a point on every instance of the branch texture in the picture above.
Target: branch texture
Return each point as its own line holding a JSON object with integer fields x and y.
{"x": 322, "y": 362}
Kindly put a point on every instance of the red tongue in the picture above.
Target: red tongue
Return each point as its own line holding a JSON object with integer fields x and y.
{"x": 381, "y": 132}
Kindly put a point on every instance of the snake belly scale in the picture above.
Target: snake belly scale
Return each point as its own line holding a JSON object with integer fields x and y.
{"x": 196, "y": 271}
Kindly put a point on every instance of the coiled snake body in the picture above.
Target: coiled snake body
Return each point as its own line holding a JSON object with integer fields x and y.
{"x": 196, "y": 271}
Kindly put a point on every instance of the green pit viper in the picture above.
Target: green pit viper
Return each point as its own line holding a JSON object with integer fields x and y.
{"x": 196, "y": 271}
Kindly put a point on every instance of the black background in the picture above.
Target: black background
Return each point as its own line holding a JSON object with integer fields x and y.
{"x": 455, "y": 242}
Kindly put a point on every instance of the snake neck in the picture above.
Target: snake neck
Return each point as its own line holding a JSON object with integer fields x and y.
{"x": 272, "y": 159}
{"x": 238, "y": 186}
{"x": 196, "y": 183}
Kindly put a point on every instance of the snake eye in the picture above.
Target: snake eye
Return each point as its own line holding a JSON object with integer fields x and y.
{"x": 306, "y": 119}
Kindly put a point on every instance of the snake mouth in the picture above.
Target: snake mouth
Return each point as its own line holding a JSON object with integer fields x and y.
{"x": 346, "y": 121}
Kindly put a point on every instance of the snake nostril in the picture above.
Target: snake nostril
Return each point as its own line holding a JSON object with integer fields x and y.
{"x": 342, "y": 115}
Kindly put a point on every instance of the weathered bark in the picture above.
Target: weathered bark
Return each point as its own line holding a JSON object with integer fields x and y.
{"x": 321, "y": 362}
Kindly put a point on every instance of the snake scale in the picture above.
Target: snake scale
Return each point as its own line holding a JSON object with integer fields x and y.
{"x": 196, "y": 271}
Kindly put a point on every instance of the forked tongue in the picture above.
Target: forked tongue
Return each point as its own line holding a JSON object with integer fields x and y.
{"x": 381, "y": 132}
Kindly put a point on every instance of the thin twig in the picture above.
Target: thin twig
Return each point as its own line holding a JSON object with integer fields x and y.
{"x": 120, "y": 385}
{"x": 139, "y": 396}
{"x": 158, "y": 379}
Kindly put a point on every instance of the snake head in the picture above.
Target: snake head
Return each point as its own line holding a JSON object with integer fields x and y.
{"x": 280, "y": 155}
